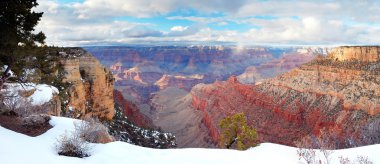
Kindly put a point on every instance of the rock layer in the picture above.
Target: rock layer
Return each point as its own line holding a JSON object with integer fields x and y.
{"x": 325, "y": 94}
{"x": 361, "y": 53}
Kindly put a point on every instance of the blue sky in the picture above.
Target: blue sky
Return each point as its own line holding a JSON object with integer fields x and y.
{"x": 247, "y": 22}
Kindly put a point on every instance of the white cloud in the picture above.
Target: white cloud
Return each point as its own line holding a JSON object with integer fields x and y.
{"x": 306, "y": 22}
{"x": 147, "y": 8}
{"x": 179, "y": 28}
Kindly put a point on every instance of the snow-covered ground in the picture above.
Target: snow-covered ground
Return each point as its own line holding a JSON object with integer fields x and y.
{"x": 16, "y": 148}
{"x": 42, "y": 93}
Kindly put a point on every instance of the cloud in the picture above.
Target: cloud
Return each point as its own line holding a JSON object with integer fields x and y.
{"x": 178, "y": 31}
{"x": 140, "y": 32}
{"x": 179, "y": 28}
{"x": 264, "y": 22}
{"x": 147, "y": 8}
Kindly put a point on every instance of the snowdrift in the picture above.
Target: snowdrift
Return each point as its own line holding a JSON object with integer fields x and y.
{"x": 16, "y": 148}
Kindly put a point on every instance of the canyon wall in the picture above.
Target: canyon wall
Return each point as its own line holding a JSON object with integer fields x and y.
{"x": 91, "y": 84}
{"x": 325, "y": 94}
{"x": 131, "y": 111}
{"x": 361, "y": 53}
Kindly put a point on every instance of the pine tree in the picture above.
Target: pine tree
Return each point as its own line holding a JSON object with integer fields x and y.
{"x": 17, "y": 40}
{"x": 234, "y": 130}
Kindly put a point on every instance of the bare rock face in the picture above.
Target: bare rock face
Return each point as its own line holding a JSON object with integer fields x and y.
{"x": 91, "y": 90}
{"x": 360, "y": 53}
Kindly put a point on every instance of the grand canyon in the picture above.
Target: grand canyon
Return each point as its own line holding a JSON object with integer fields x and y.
{"x": 287, "y": 93}
{"x": 212, "y": 81}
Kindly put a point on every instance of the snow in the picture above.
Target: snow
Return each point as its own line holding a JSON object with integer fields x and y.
{"x": 2, "y": 69}
{"x": 16, "y": 148}
{"x": 43, "y": 93}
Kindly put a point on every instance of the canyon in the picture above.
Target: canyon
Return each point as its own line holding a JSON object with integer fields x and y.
{"x": 158, "y": 82}
{"x": 338, "y": 96}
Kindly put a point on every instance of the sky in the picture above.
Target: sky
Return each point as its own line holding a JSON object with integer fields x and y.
{"x": 240, "y": 22}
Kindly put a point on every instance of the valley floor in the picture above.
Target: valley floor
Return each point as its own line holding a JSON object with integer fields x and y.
{"x": 16, "y": 148}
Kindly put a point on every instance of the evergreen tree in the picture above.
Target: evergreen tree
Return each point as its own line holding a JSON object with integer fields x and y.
{"x": 17, "y": 40}
{"x": 234, "y": 130}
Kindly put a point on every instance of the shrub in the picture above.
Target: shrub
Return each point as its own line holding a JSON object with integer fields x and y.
{"x": 22, "y": 107}
{"x": 92, "y": 130}
{"x": 73, "y": 146}
{"x": 359, "y": 160}
{"x": 305, "y": 150}
{"x": 36, "y": 120}
{"x": 234, "y": 130}
{"x": 363, "y": 160}
{"x": 77, "y": 144}
{"x": 326, "y": 143}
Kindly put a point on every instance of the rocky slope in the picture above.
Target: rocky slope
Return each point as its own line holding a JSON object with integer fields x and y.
{"x": 173, "y": 113}
{"x": 124, "y": 130}
{"x": 90, "y": 84}
{"x": 131, "y": 111}
{"x": 339, "y": 94}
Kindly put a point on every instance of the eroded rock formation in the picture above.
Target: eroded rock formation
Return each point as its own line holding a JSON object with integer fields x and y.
{"x": 342, "y": 96}
{"x": 91, "y": 84}
{"x": 361, "y": 53}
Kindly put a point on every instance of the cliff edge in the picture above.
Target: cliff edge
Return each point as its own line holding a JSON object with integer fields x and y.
{"x": 90, "y": 84}
{"x": 360, "y": 53}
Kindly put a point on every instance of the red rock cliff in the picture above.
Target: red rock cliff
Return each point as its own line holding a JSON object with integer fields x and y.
{"x": 341, "y": 96}
{"x": 131, "y": 111}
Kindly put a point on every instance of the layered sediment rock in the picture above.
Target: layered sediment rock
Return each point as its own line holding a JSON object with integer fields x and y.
{"x": 360, "y": 53}
{"x": 341, "y": 96}
{"x": 91, "y": 84}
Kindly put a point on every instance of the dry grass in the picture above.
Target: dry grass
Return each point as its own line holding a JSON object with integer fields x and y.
{"x": 72, "y": 145}
{"x": 92, "y": 130}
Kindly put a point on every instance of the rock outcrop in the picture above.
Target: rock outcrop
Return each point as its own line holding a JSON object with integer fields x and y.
{"x": 91, "y": 84}
{"x": 360, "y": 53}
